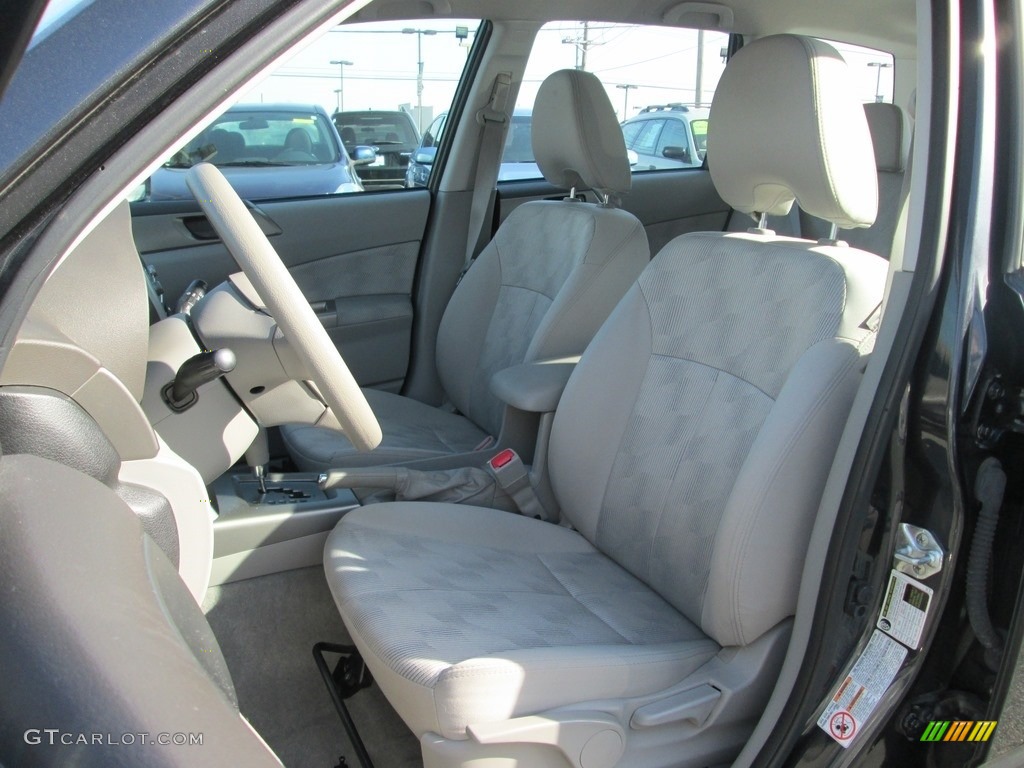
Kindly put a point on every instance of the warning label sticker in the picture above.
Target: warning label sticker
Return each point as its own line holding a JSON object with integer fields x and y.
{"x": 905, "y": 609}
{"x": 856, "y": 696}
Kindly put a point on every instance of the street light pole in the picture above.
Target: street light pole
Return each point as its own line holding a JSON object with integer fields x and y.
{"x": 341, "y": 82}
{"x": 419, "y": 70}
{"x": 699, "y": 84}
{"x": 878, "y": 78}
{"x": 625, "y": 99}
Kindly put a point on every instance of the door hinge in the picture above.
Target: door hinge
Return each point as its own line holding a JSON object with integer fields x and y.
{"x": 918, "y": 553}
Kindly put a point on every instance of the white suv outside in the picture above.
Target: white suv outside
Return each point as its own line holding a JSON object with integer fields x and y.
{"x": 667, "y": 136}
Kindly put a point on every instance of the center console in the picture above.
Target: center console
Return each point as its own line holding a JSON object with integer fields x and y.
{"x": 259, "y": 532}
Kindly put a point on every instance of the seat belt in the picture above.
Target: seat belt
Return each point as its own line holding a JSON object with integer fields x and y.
{"x": 493, "y": 119}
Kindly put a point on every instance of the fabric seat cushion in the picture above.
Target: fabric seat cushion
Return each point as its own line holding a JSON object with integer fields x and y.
{"x": 467, "y": 615}
{"x": 412, "y": 430}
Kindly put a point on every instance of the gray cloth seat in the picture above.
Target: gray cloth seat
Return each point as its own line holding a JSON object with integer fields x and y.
{"x": 688, "y": 454}
{"x": 540, "y": 289}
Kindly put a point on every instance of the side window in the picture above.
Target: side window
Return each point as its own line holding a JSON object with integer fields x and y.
{"x": 348, "y": 114}
{"x": 646, "y": 143}
{"x": 644, "y": 70}
{"x": 673, "y": 135}
{"x": 629, "y": 133}
{"x": 873, "y": 71}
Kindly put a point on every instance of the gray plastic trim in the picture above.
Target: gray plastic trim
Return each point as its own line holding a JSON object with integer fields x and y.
{"x": 211, "y": 435}
{"x": 274, "y": 558}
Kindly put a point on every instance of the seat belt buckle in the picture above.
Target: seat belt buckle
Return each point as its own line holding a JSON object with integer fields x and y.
{"x": 508, "y": 469}
{"x": 514, "y": 479}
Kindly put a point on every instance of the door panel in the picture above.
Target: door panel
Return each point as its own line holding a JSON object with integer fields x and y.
{"x": 671, "y": 203}
{"x": 668, "y": 203}
{"x": 353, "y": 256}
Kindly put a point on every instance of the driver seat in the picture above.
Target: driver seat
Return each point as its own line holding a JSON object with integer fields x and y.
{"x": 297, "y": 146}
{"x": 688, "y": 454}
{"x": 540, "y": 289}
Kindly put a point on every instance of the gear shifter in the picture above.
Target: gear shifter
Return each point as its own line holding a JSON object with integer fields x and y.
{"x": 257, "y": 457}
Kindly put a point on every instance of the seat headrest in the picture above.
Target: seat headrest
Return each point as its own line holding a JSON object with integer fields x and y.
{"x": 577, "y": 141}
{"x": 885, "y": 121}
{"x": 785, "y": 126}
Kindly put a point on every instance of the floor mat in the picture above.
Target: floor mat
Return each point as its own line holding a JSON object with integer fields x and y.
{"x": 266, "y": 628}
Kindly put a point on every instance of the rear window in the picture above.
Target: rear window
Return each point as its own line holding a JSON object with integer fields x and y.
{"x": 377, "y": 128}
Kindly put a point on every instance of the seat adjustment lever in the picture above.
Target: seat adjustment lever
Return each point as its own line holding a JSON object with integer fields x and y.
{"x": 694, "y": 705}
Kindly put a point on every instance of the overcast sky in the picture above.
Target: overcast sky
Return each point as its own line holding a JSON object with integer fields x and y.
{"x": 659, "y": 65}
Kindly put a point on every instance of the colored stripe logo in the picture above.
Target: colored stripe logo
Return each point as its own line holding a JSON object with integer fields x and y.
{"x": 959, "y": 730}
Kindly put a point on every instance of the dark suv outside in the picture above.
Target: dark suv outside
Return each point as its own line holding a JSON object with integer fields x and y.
{"x": 517, "y": 162}
{"x": 667, "y": 136}
{"x": 392, "y": 133}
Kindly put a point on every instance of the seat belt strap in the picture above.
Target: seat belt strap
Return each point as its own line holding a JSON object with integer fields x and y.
{"x": 513, "y": 478}
{"x": 492, "y": 118}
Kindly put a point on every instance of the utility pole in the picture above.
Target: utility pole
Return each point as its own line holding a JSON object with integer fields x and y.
{"x": 341, "y": 82}
{"x": 625, "y": 98}
{"x": 419, "y": 70}
{"x": 582, "y": 44}
{"x": 699, "y": 86}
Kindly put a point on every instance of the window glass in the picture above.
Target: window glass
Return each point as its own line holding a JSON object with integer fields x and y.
{"x": 629, "y": 133}
{"x": 344, "y": 115}
{"x": 647, "y": 141}
{"x": 673, "y": 135}
{"x": 872, "y": 71}
{"x": 667, "y": 71}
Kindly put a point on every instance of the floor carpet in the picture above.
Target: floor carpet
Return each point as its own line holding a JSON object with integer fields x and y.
{"x": 266, "y": 628}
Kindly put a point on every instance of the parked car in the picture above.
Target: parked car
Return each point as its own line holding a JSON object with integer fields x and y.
{"x": 266, "y": 151}
{"x": 517, "y": 162}
{"x": 667, "y": 136}
{"x": 393, "y": 136}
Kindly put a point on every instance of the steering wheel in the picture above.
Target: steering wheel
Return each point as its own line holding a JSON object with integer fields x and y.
{"x": 259, "y": 261}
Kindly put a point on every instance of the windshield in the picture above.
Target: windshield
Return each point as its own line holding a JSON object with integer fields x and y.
{"x": 262, "y": 138}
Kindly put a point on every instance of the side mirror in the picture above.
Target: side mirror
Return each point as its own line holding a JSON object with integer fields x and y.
{"x": 677, "y": 153}
{"x": 424, "y": 155}
{"x": 363, "y": 155}
{"x": 633, "y": 157}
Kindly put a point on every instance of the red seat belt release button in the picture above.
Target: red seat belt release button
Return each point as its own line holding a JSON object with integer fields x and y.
{"x": 502, "y": 459}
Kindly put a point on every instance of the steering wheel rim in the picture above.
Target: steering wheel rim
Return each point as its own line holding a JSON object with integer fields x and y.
{"x": 260, "y": 262}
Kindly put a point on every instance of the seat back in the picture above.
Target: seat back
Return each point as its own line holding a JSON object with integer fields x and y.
{"x": 298, "y": 140}
{"x": 886, "y": 123}
{"x": 555, "y": 269}
{"x": 694, "y": 438}
{"x": 102, "y": 636}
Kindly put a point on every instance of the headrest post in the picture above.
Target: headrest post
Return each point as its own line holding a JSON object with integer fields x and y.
{"x": 762, "y": 221}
